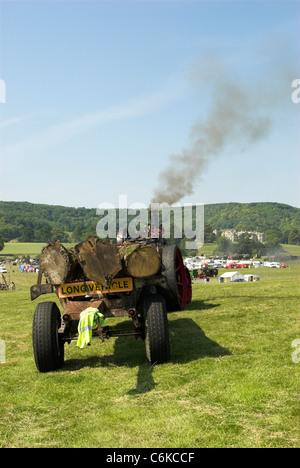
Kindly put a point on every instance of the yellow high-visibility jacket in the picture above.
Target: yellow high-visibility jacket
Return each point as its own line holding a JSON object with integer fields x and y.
{"x": 89, "y": 319}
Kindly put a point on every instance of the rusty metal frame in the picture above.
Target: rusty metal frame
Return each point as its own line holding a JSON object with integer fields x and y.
{"x": 38, "y": 290}
{"x": 109, "y": 304}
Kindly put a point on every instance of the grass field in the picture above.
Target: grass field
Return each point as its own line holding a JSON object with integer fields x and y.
{"x": 231, "y": 381}
{"x": 18, "y": 249}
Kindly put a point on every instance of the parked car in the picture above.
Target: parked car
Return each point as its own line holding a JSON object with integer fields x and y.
{"x": 283, "y": 265}
{"x": 258, "y": 264}
{"x": 231, "y": 265}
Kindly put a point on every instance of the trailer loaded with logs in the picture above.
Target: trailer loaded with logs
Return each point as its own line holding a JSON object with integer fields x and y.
{"x": 140, "y": 279}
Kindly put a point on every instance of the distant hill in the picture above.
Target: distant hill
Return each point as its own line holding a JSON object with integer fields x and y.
{"x": 15, "y": 216}
{"x": 260, "y": 216}
{"x": 31, "y": 222}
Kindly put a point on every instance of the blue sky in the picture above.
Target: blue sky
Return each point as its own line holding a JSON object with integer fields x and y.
{"x": 100, "y": 94}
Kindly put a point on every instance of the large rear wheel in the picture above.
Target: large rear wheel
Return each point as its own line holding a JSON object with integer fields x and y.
{"x": 189, "y": 286}
{"x": 48, "y": 346}
{"x": 174, "y": 270}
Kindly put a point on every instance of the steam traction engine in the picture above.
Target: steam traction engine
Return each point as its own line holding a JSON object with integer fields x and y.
{"x": 142, "y": 280}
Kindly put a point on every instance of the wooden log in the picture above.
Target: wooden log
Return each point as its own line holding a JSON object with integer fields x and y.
{"x": 59, "y": 264}
{"x": 139, "y": 260}
{"x": 99, "y": 260}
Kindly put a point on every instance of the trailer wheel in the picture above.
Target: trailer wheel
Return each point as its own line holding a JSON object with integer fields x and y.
{"x": 156, "y": 329}
{"x": 174, "y": 270}
{"x": 48, "y": 346}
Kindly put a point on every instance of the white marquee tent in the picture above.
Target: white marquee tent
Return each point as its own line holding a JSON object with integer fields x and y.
{"x": 231, "y": 276}
{"x": 251, "y": 278}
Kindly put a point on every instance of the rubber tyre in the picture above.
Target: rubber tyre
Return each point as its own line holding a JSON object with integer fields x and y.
{"x": 189, "y": 294}
{"x": 48, "y": 347}
{"x": 173, "y": 270}
{"x": 156, "y": 329}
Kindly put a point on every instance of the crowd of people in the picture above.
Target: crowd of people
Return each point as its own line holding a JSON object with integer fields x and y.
{"x": 28, "y": 268}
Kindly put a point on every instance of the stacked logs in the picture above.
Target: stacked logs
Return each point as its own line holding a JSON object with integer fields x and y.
{"x": 99, "y": 261}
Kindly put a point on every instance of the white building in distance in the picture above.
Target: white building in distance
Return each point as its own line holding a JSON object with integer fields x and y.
{"x": 234, "y": 235}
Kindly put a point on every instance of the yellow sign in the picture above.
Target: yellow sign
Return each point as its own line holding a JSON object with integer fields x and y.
{"x": 89, "y": 287}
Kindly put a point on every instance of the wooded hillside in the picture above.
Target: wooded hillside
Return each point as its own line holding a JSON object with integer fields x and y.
{"x": 30, "y": 222}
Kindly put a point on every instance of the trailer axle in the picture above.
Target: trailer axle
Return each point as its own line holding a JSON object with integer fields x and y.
{"x": 108, "y": 334}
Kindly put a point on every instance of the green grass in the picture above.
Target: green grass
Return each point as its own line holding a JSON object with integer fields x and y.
{"x": 19, "y": 249}
{"x": 231, "y": 381}
{"x": 291, "y": 249}
{"x": 208, "y": 249}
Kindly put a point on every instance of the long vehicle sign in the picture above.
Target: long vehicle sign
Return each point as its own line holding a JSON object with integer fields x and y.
{"x": 90, "y": 287}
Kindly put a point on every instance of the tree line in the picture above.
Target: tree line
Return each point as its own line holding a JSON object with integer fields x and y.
{"x": 28, "y": 222}
{"x": 246, "y": 245}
